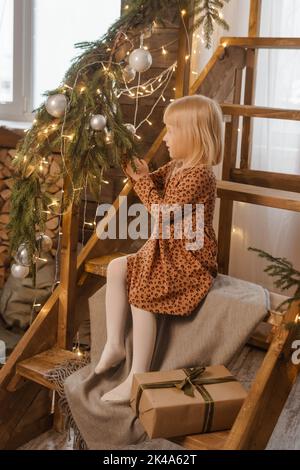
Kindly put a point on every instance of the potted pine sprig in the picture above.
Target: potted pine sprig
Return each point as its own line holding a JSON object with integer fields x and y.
{"x": 287, "y": 277}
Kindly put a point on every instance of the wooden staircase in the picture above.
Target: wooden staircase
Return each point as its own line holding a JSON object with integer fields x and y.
{"x": 48, "y": 341}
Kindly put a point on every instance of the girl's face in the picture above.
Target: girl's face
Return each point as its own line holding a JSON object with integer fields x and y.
{"x": 174, "y": 143}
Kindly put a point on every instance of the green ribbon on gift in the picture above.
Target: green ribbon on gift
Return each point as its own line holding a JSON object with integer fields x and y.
{"x": 188, "y": 385}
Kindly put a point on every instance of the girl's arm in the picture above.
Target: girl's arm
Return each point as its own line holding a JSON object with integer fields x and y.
{"x": 195, "y": 186}
{"x": 158, "y": 176}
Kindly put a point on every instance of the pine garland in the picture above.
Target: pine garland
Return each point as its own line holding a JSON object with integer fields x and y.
{"x": 288, "y": 277}
{"x": 91, "y": 86}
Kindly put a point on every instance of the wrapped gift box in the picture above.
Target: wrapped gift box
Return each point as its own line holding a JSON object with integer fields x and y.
{"x": 186, "y": 401}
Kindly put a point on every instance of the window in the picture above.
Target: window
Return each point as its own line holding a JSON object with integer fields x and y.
{"x": 37, "y": 40}
{"x": 6, "y": 50}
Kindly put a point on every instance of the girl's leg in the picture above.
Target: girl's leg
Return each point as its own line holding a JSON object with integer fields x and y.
{"x": 144, "y": 337}
{"x": 116, "y": 303}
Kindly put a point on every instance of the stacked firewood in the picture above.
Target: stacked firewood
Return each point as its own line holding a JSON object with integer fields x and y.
{"x": 51, "y": 172}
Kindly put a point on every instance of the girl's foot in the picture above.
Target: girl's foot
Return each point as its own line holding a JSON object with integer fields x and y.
{"x": 111, "y": 356}
{"x": 120, "y": 393}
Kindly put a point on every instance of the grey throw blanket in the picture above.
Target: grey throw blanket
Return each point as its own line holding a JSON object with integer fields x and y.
{"x": 213, "y": 334}
{"x": 18, "y": 295}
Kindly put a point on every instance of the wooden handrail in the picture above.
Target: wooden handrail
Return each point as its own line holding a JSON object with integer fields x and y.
{"x": 260, "y": 111}
{"x": 261, "y": 42}
{"x": 259, "y": 414}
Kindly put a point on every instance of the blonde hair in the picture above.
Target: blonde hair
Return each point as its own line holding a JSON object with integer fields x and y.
{"x": 200, "y": 120}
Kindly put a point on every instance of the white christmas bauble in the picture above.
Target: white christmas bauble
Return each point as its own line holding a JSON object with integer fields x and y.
{"x": 98, "y": 122}
{"x": 140, "y": 60}
{"x": 19, "y": 272}
{"x": 56, "y": 105}
{"x": 44, "y": 243}
{"x": 130, "y": 127}
{"x": 22, "y": 256}
{"x": 129, "y": 73}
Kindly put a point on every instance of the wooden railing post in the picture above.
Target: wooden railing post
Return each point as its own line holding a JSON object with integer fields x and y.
{"x": 229, "y": 162}
{"x": 250, "y": 77}
{"x": 68, "y": 276}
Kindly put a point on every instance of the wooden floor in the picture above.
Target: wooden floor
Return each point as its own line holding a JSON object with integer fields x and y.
{"x": 286, "y": 435}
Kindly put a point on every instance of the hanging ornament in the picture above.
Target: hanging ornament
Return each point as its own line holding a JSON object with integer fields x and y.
{"x": 44, "y": 243}
{"x": 56, "y": 105}
{"x": 22, "y": 256}
{"x": 140, "y": 60}
{"x": 129, "y": 73}
{"x": 19, "y": 272}
{"x": 98, "y": 122}
{"x": 130, "y": 127}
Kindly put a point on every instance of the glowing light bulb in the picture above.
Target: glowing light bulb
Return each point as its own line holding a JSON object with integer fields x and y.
{"x": 164, "y": 52}
{"x": 183, "y": 12}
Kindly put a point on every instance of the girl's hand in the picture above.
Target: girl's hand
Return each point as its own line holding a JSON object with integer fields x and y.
{"x": 141, "y": 169}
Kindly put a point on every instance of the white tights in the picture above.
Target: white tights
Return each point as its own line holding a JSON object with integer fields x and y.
{"x": 143, "y": 324}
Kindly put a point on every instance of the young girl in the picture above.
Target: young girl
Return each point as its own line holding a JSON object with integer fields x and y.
{"x": 164, "y": 277}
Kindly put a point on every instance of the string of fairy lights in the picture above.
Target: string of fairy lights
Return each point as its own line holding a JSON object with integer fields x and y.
{"x": 135, "y": 92}
{"x": 153, "y": 86}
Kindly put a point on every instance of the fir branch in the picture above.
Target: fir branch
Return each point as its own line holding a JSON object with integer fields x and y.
{"x": 87, "y": 153}
{"x": 288, "y": 277}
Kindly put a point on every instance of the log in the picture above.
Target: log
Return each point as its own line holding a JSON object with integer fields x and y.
{"x": 4, "y": 259}
{"x": 6, "y": 207}
{"x": 4, "y": 219}
{"x": 55, "y": 169}
{"x": 6, "y": 172}
{"x": 12, "y": 153}
{"x": 3, "y": 235}
{"x": 52, "y": 223}
{"x": 9, "y": 182}
{"x": 53, "y": 189}
{"x": 5, "y": 194}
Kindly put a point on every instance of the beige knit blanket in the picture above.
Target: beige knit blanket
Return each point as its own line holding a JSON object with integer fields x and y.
{"x": 215, "y": 332}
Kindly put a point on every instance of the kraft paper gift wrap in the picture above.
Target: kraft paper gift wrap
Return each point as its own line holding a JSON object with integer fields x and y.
{"x": 186, "y": 401}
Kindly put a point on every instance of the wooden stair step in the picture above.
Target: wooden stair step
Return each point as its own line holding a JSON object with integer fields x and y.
{"x": 261, "y": 42}
{"x": 36, "y": 367}
{"x": 206, "y": 441}
{"x": 99, "y": 265}
{"x": 260, "y": 111}
{"x": 258, "y": 195}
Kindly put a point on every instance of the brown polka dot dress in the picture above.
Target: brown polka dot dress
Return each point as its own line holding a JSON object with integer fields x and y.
{"x": 163, "y": 276}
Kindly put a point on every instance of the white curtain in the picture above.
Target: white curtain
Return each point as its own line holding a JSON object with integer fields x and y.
{"x": 275, "y": 143}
